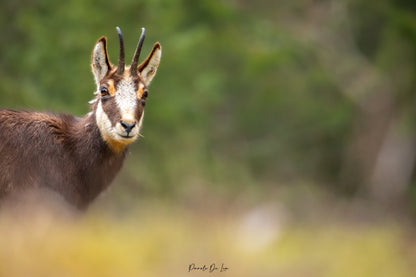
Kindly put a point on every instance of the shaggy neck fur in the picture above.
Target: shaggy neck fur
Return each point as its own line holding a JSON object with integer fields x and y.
{"x": 62, "y": 153}
{"x": 101, "y": 162}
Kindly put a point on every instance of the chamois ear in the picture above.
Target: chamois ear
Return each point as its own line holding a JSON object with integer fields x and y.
{"x": 100, "y": 63}
{"x": 149, "y": 66}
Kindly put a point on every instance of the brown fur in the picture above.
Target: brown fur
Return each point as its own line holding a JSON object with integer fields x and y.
{"x": 63, "y": 153}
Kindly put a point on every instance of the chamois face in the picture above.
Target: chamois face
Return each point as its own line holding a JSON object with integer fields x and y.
{"x": 121, "y": 93}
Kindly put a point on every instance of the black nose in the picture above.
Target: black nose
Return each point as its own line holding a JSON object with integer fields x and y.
{"x": 128, "y": 126}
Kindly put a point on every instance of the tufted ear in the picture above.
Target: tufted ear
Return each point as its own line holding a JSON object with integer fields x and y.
{"x": 148, "y": 67}
{"x": 100, "y": 63}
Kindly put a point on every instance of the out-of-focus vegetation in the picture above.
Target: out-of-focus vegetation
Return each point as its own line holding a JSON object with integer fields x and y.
{"x": 250, "y": 94}
{"x": 255, "y": 102}
{"x": 328, "y": 237}
{"x": 166, "y": 242}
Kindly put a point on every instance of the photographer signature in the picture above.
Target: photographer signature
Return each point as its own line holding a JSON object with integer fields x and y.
{"x": 207, "y": 268}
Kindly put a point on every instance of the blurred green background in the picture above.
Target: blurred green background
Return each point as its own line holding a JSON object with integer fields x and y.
{"x": 265, "y": 118}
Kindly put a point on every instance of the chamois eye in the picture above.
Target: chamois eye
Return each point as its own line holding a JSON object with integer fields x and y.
{"x": 144, "y": 95}
{"x": 104, "y": 91}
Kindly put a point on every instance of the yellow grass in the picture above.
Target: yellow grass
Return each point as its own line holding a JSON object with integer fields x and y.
{"x": 168, "y": 241}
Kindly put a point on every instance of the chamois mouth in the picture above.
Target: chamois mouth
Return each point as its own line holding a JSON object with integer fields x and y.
{"x": 129, "y": 136}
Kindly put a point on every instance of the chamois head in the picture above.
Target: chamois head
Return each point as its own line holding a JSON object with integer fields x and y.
{"x": 121, "y": 91}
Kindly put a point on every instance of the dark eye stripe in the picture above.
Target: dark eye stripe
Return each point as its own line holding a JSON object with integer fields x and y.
{"x": 111, "y": 110}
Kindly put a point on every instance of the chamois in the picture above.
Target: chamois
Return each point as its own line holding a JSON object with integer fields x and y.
{"x": 78, "y": 157}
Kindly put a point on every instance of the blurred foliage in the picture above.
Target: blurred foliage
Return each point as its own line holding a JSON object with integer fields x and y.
{"x": 252, "y": 99}
{"x": 161, "y": 245}
{"x": 237, "y": 98}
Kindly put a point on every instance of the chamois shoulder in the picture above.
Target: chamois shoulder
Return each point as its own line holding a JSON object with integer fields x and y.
{"x": 36, "y": 122}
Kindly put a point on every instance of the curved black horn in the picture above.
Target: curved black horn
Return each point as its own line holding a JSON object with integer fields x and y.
{"x": 135, "y": 61}
{"x": 121, "y": 62}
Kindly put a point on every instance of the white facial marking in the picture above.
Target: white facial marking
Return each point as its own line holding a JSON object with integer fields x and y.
{"x": 126, "y": 99}
{"x": 103, "y": 122}
{"x": 141, "y": 121}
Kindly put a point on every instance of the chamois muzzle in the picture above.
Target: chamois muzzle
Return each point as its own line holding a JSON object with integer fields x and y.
{"x": 135, "y": 61}
{"x": 128, "y": 126}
